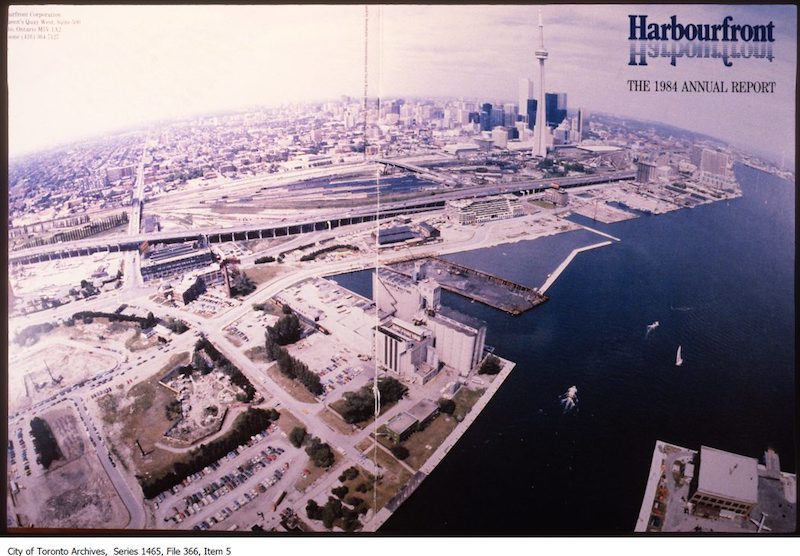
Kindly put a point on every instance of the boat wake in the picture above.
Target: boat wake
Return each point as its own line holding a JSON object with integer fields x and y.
{"x": 650, "y": 328}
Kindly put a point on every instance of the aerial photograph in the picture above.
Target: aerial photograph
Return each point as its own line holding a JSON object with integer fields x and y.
{"x": 405, "y": 270}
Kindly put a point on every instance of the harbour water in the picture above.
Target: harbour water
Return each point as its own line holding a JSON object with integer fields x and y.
{"x": 719, "y": 279}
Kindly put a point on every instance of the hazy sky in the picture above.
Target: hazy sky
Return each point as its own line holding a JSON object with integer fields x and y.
{"x": 129, "y": 65}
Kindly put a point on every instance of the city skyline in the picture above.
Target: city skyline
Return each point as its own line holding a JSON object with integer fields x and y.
{"x": 269, "y": 55}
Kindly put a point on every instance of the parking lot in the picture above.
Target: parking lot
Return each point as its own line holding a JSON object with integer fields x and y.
{"x": 211, "y": 496}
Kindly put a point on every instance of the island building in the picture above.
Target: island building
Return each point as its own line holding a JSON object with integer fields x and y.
{"x": 164, "y": 261}
{"x": 478, "y": 211}
{"x": 717, "y": 491}
{"x": 421, "y": 335}
{"x": 724, "y": 482}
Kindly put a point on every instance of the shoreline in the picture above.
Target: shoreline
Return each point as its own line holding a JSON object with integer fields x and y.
{"x": 441, "y": 452}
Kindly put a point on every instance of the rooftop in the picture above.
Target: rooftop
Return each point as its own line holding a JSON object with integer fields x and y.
{"x": 728, "y": 475}
{"x": 460, "y": 318}
{"x": 423, "y": 409}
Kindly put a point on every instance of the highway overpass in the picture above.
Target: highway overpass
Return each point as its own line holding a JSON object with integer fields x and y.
{"x": 268, "y": 230}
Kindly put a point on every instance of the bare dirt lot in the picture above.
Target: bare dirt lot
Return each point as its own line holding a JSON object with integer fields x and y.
{"x": 30, "y": 377}
{"x": 140, "y": 414}
{"x": 75, "y": 492}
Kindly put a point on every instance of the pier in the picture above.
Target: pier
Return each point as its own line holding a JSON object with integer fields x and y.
{"x": 476, "y": 285}
{"x": 557, "y": 272}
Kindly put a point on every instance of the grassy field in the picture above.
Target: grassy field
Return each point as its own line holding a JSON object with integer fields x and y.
{"x": 314, "y": 473}
{"x": 392, "y": 480}
{"x": 293, "y": 388}
{"x": 335, "y": 421}
{"x": 423, "y": 443}
{"x": 141, "y": 416}
{"x": 265, "y": 272}
{"x": 257, "y": 354}
{"x": 465, "y": 399}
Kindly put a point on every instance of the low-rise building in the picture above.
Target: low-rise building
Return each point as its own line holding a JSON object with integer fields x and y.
{"x": 168, "y": 260}
{"x": 189, "y": 289}
{"x": 477, "y": 211}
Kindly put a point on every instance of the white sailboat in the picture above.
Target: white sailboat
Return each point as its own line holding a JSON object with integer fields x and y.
{"x": 678, "y": 359}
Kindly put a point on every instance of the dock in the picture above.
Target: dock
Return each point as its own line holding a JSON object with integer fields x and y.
{"x": 476, "y": 285}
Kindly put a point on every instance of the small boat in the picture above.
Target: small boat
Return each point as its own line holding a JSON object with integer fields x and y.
{"x": 678, "y": 359}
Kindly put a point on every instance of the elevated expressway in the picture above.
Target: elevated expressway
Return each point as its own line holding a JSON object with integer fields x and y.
{"x": 287, "y": 227}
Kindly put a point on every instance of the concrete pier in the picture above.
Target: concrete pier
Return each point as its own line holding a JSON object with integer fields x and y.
{"x": 557, "y": 272}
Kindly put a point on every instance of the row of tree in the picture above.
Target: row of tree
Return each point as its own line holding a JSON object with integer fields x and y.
{"x": 288, "y": 330}
{"x": 44, "y": 442}
{"x": 360, "y": 405}
{"x": 88, "y": 316}
{"x": 224, "y": 365}
{"x": 246, "y": 425}
{"x": 265, "y": 259}
{"x": 314, "y": 254}
{"x": 293, "y": 368}
{"x": 333, "y": 510}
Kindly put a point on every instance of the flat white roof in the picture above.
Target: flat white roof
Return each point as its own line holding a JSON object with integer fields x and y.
{"x": 728, "y": 475}
{"x": 599, "y": 148}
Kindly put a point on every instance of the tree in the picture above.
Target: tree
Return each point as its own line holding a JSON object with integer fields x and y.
{"x": 348, "y": 474}
{"x": 150, "y": 321}
{"x": 286, "y": 309}
{"x": 320, "y": 453}
{"x": 340, "y": 492}
{"x": 313, "y": 511}
{"x": 400, "y": 452}
{"x": 490, "y": 366}
{"x": 447, "y": 406}
{"x": 287, "y": 329}
{"x": 297, "y": 436}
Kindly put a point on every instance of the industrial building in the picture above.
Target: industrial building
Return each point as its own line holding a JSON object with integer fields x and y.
{"x": 645, "y": 172}
{"x": 714, "y": 168}
{"x": 403, "y": 296}
{"x": 397, "y": 234}
{"x": 401, "y": 347}
{"x": 168, "y": 260}
{"x": 457, "y": 340}
{"x": 478, "y": 211}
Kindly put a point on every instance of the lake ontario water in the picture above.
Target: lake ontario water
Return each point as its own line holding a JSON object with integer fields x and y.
{"x": 719, "y": 278}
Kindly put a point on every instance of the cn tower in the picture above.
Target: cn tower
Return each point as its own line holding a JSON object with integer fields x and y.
{"x": 539, "y": 139}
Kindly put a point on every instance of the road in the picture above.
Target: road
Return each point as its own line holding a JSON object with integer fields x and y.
{"x": 300, "y": 225}
{"x": 132, "y": 503}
